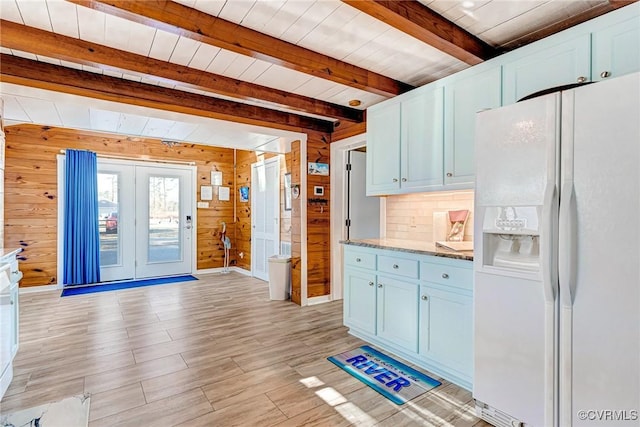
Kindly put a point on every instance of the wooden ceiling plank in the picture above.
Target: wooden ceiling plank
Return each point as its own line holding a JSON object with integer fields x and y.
{"x": 40, "y": 42}
{"x": 188, "y": 22}
{"x": 591, "y": 13}
{"x": 419, "y": 21}
{"x": 61, "y": 79}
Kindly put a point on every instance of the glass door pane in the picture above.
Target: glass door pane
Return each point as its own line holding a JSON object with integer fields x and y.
{"x": 116, "y": 208}
{"x": 164, "y": 243}
{"x": 108, "y": 218}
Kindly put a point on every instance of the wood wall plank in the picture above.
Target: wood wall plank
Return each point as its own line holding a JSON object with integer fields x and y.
{"x": 318, "y": 219}
{"x": 31, "y": 204}
{"x": 244, "y": 160}
{"x": 296, "y": 243}
{"x": 31, "y": 200}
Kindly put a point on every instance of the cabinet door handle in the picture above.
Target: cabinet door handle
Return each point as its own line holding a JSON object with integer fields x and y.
{"x": 424, "y": 298}
{"x": 449, "y": 174}
{"x": 370, "y": 283}
{"x": 395, "y": 266}
{"x": 358, "y": 260}
{"x": 581, "y": 79}
{"x": 445, "y": 276}
{"x": 404, "y": 179}
{"x": 395, "y": 179}
{"x": 605, "y": 74}
{"x": 379, "y": 285}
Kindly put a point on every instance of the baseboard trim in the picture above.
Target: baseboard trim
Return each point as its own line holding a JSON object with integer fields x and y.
{"x": 35, "y": 289}
{"x": 242, "y": 271}
{"x": 220, "y": 270}
{"x": 318, "y": 300}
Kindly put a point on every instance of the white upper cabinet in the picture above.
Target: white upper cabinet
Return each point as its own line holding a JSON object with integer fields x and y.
{"x": 405, "y": 143}
{"x": 464, "y": 97}
{"x": 383, "y": 149}
{"x": 424, "y": 140}
{"x": 616, "y": 50}
{"x": 552, "y": 64}
{"x": 421, "y": 145}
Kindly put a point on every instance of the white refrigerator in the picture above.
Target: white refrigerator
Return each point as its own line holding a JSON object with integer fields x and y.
{"x": 557, "y": 259}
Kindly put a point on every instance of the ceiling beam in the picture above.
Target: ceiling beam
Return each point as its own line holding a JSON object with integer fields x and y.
{"x": 594, "y": 12}
{"x": 419, "y": 21}
{"x": 46, "y": 76}
{"x": 40, "y": 42}
{"x": 191, "y": 23}
{"x": 619, "y": 3}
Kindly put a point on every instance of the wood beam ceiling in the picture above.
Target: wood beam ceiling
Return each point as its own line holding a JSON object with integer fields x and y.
{"x": 619, "y": 3}
{"x": 46, "y": 76}
{"x": 188, "y": 22}
{"x": 40, "y": 42}
{"x": 594, "y": 12}
{"x": 419, "y": 21}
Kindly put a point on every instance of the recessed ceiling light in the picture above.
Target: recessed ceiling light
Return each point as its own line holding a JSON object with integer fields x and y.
{"x": 467, "y": 4}
{"x": 355, "y": 102}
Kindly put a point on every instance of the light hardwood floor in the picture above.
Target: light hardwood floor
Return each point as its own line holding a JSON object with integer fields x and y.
{"x": 215, "y": 352}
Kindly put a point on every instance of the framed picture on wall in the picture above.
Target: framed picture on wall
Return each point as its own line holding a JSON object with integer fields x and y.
{"x": 244, "y": 193}
{"x": 287, "y": 191}
{"x": 318, "y": 169}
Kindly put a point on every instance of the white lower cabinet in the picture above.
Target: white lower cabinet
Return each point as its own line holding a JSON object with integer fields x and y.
{"x": 418, "y": 307}
{"x": 397, "y": 312}
{"x": 446, "y": 328}
{"x": 360, "y": 300}
{"x": 10, "y": 275}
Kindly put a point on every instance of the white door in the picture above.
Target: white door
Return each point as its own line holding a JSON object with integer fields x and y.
{"x": 116, "y": 207}
{"x": 145, "y": 220}
{"x": 363, "y": 213}
{"x": 164, "y": 221}
{"x": 600, "y": 235}
{"x": 265, "y": 215}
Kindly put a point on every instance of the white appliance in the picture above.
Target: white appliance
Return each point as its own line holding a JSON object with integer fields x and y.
{"x": 7, "y": 323}
{"x": 557, "y": 260}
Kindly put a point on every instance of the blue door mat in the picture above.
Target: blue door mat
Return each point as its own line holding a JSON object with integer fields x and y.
{"x": 80, "y": 290}
{"x": 394, "y": 380}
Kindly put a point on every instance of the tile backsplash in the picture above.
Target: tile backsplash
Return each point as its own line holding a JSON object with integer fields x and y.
{"x": 411, "y": 216}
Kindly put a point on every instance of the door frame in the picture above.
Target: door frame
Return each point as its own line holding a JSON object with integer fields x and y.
{"x": 338, "y": 202}
{"x": 61, "y": 211}
{"x": 146, "y": 268}
{"x": 276, "y": 160}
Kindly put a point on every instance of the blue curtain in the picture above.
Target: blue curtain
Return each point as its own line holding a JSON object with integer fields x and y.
{"x": 81, "y": 234}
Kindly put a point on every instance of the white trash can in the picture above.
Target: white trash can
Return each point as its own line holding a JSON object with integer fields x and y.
{"x": 279, "y": 277}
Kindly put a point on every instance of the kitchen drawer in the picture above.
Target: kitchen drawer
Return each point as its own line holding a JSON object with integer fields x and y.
{"x": 447, "y": 275}
{"x": 398, "y": 266}
{"x": 360, "y": 259}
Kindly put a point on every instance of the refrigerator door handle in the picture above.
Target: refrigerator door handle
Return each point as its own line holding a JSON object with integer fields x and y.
{"x": 567, "y": 245}
{"x": 547, "y": 241}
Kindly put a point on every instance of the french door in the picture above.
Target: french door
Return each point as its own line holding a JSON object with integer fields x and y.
{"x": 265, "y": 215}
{"x": 146, "y": 222}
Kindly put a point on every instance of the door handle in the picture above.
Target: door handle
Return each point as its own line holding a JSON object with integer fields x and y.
{"x": 567, "y": 245}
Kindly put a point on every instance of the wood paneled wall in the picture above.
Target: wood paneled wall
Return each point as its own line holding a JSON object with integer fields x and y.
{"x": 318, "y": 219}
{"x": 296, "y": 227}
{"x": 244, "y": 160}
{"x": 31, "y": 204}
{"x": 242, "y": 243}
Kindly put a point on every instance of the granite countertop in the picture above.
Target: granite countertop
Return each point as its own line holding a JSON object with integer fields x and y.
{"x": 425, "y": 248}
